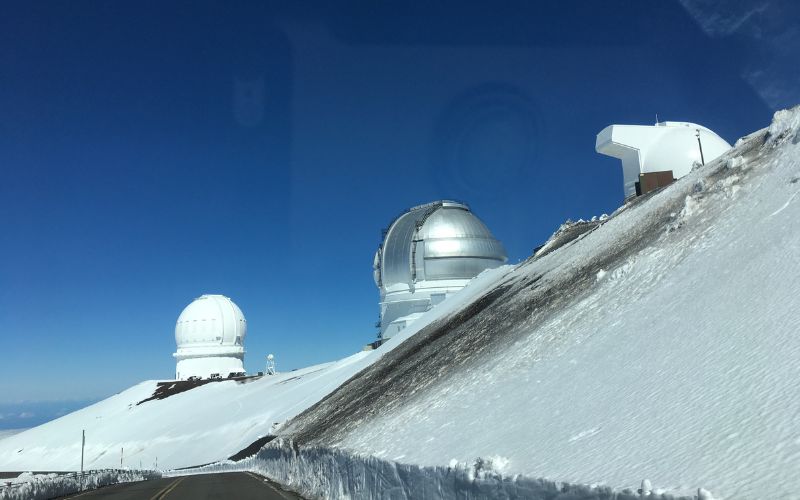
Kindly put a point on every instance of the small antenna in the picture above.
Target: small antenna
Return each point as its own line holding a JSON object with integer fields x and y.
{"x": 656, "y": 118}
{"x": 700, "y": 145}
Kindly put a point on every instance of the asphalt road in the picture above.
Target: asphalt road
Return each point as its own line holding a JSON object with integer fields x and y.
{"x": 230, "y": 485}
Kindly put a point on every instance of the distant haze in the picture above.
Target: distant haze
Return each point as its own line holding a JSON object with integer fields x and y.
{"x": 22, "y": 415}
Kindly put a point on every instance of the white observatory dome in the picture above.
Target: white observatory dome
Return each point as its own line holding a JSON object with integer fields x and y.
{"x": 428, "y": 253}
{"x": 210, "y": 336}
{"x": 665, "y": 146}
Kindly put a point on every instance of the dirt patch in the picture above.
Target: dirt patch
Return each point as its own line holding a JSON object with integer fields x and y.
{"x": 251, "y": 449}
{"x": 167, "y": 389}
{"x": 567, "y": 234}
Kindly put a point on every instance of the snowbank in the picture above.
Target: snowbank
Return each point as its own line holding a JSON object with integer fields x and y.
{"x": 785, "y": 126}
{"x": 28, "y": 486}
{"x": 335, "y": 474}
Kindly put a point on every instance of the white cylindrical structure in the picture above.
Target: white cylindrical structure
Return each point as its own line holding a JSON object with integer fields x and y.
{"x": 427, "y": 254}
{"x": 210, "y": 336}
{"x": 665, "y": 146}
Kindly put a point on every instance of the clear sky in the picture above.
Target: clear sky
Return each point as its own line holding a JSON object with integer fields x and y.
{"x": 151, "y": 152}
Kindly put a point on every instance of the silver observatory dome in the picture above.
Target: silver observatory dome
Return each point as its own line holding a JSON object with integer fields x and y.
{"x": 427, "y": 253}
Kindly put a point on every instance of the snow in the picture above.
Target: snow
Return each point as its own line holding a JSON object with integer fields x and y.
{"x": 785, "y": 124}
{"x": 661, "y": 345}
{"x": 179, "y": 431}
{"x": 335, "y": 474}
{"x": 28, "y": 486}
{"x": 653, "y": 349}
{"x": 4, "y": 433}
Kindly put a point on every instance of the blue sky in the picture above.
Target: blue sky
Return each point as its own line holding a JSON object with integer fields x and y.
{"x": 150, "y": 153}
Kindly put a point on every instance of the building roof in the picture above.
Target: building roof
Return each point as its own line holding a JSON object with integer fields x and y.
{"x": 443, "y": 231}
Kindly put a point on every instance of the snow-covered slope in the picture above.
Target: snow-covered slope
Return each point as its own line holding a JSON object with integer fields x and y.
{"x": 205, "y": 424}
{"x": 4, "y": 433}
{"x": 661, "y": 345}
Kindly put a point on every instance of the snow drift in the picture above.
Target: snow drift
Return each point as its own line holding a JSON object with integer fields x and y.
{"x": 337, "y": 474}
{"x": 29, "y": 486}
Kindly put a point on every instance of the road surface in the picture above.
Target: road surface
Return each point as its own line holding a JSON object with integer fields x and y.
{"x": 238, "y": 485}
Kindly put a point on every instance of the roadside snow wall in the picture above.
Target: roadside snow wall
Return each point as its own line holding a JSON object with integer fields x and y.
{"x": 331, "y": 473}
{"x": 28, "y": 486}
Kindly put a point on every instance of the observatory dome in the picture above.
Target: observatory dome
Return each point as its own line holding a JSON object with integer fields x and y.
{"x": 211, "y": 319}
{"x": 428, "y": 253}
{"x": 663, "y": 147}
{"x": 210, "y": 336}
